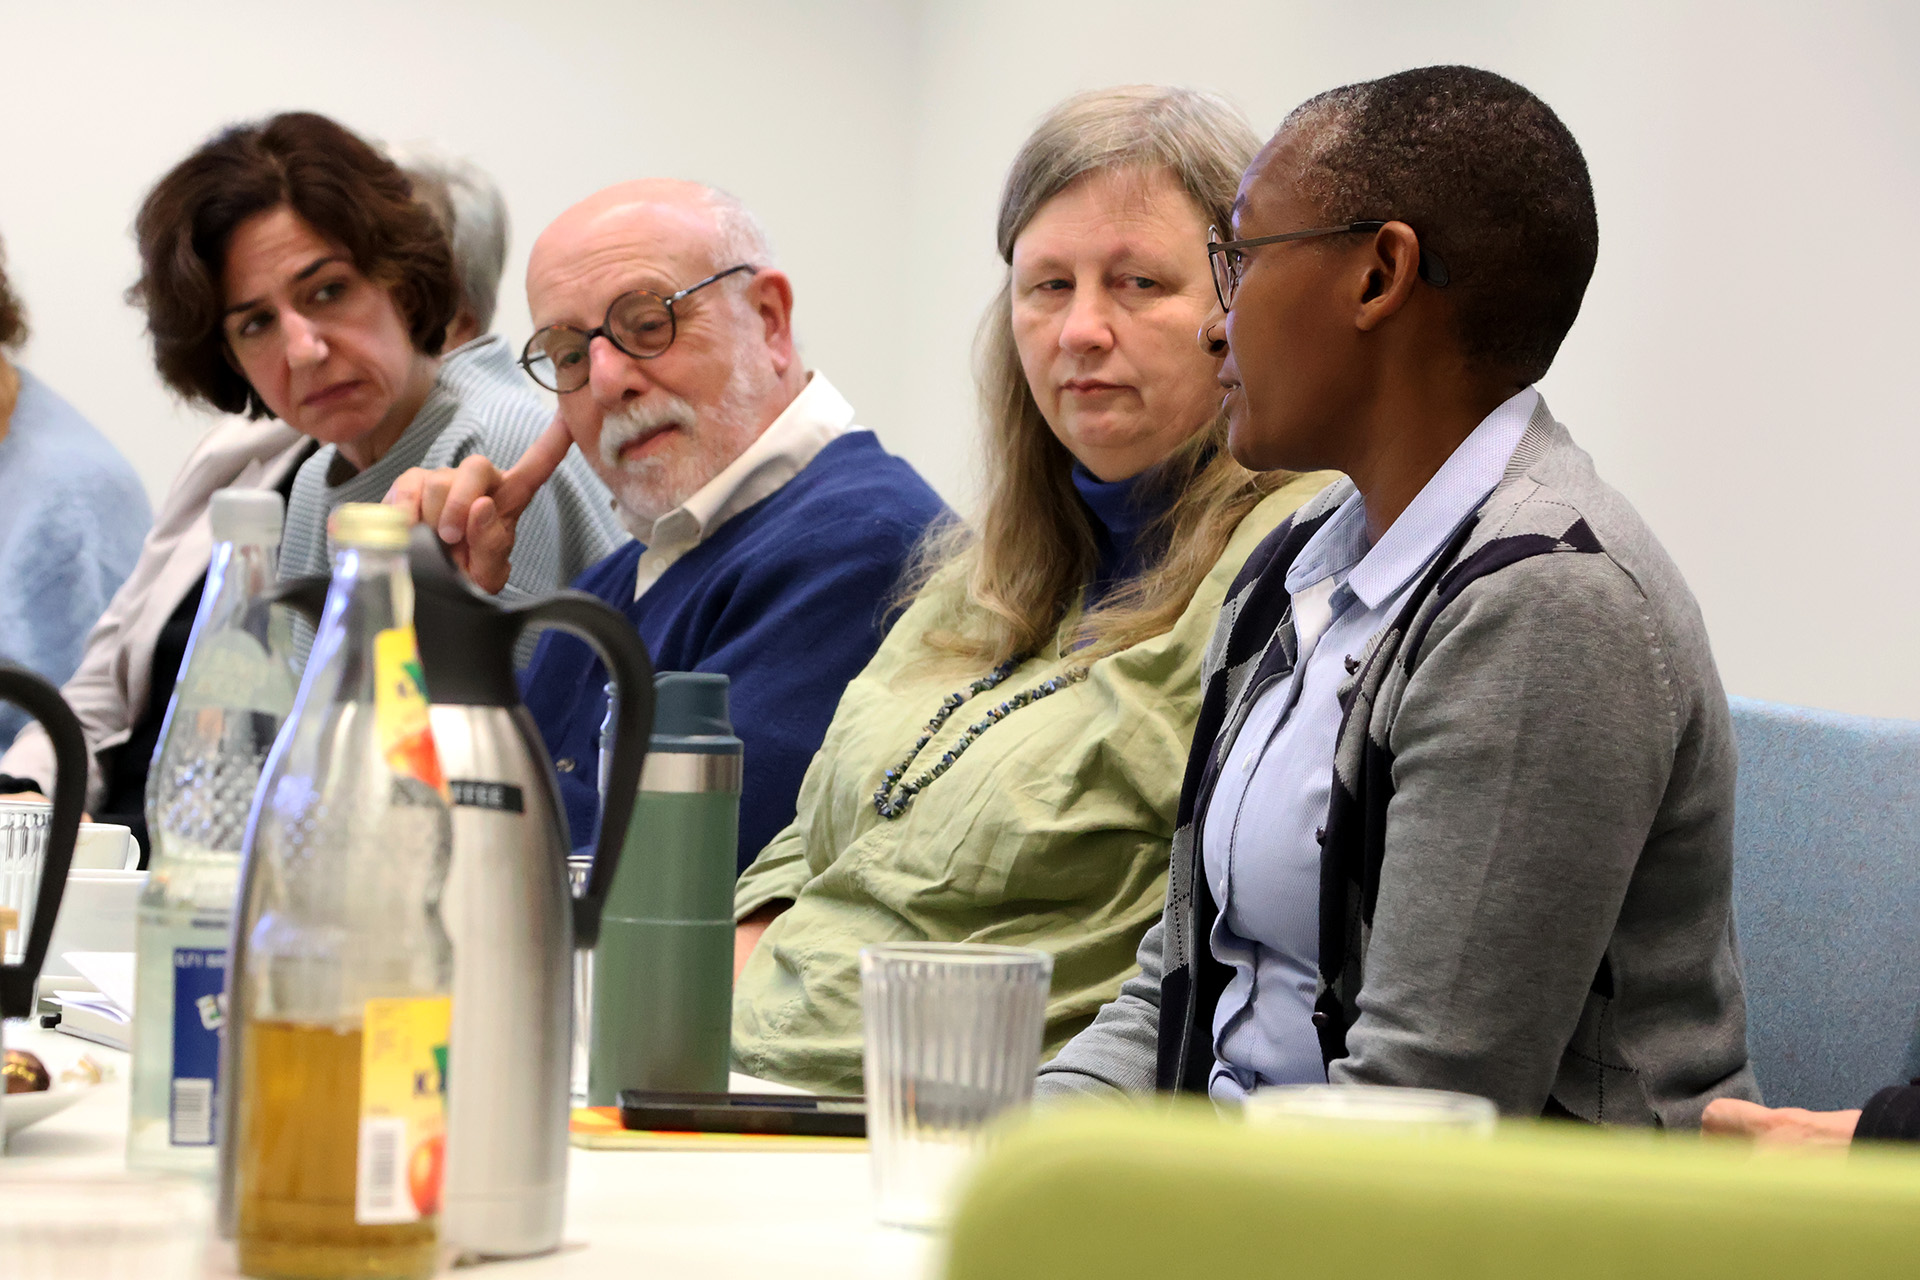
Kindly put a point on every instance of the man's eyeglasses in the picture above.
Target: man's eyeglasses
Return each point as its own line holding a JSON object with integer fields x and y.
{"x": 1229, "y": 257}
{"x": 640, "y": 323}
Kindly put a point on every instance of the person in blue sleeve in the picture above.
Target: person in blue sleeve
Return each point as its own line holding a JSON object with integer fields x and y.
{"x": 770, "y": 532}
{"x": 72, "y": 516}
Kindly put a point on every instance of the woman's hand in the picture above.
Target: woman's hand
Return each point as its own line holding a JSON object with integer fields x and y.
{"x": 1779, "y": 1126}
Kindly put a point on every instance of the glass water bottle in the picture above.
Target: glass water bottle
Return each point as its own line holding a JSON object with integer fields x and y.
{"x": 342, "y": 999}
{"x": 234, "y": 689}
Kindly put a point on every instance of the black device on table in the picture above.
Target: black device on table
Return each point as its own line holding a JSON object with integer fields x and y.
{"x": 793, "y": 1113}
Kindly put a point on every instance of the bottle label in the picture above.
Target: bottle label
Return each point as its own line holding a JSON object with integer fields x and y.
{"x": 199, "y": 973}
{"x": 232, "y": 671}
{"x": 403, "y": 1091}
{"x": 400, "y": 709}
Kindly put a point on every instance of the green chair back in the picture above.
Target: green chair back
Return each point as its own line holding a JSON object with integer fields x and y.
{"x": 1122, "y": 1193}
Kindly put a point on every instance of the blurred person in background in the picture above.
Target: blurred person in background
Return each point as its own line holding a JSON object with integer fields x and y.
{"x": 123, "y": 685}
{"x": 72, "y": 514}
{"x": 769, "y": 530}
{"x": 1006, "y": 769}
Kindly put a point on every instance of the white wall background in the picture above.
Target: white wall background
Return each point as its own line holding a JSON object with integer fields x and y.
{"x": 1738, "y": 369}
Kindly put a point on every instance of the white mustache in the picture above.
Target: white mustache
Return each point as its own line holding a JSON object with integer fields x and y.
{"x": 618, "y": 430}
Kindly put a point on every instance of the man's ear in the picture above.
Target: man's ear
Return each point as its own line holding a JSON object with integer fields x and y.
{"x": 770, "y": 294}
{"x": 1392, "y": 266}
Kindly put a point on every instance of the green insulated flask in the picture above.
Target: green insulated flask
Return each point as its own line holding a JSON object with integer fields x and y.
{"x": 663, "y": 969}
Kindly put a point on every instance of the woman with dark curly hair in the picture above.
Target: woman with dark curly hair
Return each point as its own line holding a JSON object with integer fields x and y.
{"x": 72, "y": 514}
{"x": 287, "y": 270}
{"x": 368, "y": 323}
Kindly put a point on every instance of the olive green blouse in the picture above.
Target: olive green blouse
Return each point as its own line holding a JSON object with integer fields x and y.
{"x": 1052, "y": 831}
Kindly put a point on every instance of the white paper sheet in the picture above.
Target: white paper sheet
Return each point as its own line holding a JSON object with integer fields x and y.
{"x": 111, "y": 971}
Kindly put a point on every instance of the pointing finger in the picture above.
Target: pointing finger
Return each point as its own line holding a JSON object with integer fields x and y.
{"x": 535, "y": 468}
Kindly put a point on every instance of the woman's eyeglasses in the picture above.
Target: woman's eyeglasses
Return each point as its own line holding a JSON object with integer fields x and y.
{"x": 1229, "y": 257}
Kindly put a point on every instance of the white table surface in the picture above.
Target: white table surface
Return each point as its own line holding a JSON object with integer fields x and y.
{"x": 635, "y": 1215}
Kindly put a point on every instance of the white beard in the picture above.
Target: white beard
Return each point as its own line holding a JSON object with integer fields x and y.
{"x": 649, "y": 487}
{"x": 710, "y": 438}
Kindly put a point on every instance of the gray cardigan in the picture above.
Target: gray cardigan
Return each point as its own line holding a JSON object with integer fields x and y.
{"x": 1527, "y": 883}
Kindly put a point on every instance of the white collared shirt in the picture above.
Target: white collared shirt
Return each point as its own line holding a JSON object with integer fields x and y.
{"x": 817, "y": 417}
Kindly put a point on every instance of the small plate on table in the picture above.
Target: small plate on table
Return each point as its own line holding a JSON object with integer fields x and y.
{"x": 23, "y": 1109}
{"x": 76, "y": 1073}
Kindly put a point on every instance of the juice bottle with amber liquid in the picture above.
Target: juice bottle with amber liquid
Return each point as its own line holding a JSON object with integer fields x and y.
{"x": 342, "y": 996}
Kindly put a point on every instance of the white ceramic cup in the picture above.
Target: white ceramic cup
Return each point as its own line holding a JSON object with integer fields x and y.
{"x": 104, "y": 846}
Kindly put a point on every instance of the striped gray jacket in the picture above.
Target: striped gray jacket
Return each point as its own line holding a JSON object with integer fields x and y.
{"x": 1526, "y": 875}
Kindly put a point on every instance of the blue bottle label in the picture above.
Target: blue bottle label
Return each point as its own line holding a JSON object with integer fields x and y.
{"x": 199, "y": 976}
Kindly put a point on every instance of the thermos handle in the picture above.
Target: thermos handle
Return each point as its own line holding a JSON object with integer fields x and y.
{"x": 605, "y": 630}
{"x": 43, "y": 702}
{"x": 619, "y": 646}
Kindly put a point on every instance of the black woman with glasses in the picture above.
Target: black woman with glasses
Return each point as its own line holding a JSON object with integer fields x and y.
{"x": 768, "y": 530}
{"x": 1459, "y": 811}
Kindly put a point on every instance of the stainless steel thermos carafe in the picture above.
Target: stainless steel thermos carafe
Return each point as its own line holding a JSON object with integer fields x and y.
{"x": 508, "y": 909}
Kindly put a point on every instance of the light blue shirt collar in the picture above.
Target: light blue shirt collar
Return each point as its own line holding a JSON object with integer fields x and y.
{"x": 1376, "y": 574}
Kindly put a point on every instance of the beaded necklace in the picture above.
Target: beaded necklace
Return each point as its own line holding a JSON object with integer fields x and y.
{"x": 889, "y": 807}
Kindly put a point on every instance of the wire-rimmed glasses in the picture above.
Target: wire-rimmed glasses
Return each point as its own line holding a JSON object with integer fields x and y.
{"x": 640, "y": 322}
{"x": 1228, "y": 258}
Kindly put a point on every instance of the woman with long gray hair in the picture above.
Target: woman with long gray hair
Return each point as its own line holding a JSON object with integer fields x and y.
{"x": 1008, "y": 766}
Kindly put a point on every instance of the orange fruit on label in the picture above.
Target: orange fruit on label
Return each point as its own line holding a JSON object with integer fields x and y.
{"x": 425, "y": 1169}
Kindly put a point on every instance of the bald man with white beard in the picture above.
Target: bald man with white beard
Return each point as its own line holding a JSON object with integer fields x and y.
{"x": 769, "y": 531}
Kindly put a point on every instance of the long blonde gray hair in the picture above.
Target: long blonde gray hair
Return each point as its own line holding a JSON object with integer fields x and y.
{"x": 1034, "y": 552}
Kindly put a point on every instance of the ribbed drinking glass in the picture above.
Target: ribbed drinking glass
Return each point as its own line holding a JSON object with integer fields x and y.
{"x": 952, "y": 1043}
{"x": 23, "y": 846}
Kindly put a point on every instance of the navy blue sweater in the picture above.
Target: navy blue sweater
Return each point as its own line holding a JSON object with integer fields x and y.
{"x": 788, "y": 599}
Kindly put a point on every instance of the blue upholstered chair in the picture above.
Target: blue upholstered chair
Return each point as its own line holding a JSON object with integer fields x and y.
{"x": 1827, "y": 901}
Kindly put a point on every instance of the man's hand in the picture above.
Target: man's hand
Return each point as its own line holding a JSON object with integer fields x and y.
{"x": 1779, "y": 1126}
{"x": 475, "y": 507}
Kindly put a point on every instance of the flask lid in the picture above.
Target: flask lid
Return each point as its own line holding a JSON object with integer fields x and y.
{"x": 690, "y": 704}
{"x": 245, "y": 515}
{"x": 369, "y": 524}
